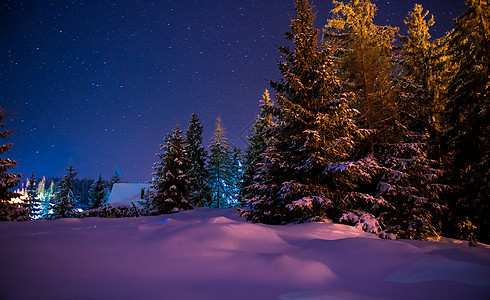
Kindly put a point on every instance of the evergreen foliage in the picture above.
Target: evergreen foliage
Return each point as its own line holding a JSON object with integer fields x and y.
{"x": 257, "y": 145}
{"x": 116, "y": 177}
{"x": 222, "y": 179}
{"x": 97, "y": 193}
{"x": 199, "y": 191}
{"x": 32, "y": 201}
{"x": 468, "y": 118}
{"x": 405, "y": 179}
{"x": 7, "y": 180}
{"x": 419, "y": 89}
{"x": 309, "y": 164}
{"x": 365, "y": 52}
{"x": 108, "y": 211}
{"x": 65, "y": 197}
{"x": 45, "y": 196}
{"x": 171, "y": 181}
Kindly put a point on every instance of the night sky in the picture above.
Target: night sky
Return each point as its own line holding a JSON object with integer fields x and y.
{"x": 100, "y": 83}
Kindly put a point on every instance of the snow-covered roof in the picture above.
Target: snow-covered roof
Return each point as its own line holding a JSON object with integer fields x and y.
{"x": 125, "y": 193}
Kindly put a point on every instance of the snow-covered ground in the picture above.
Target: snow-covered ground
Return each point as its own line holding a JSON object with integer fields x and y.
{"x": 214, "y": 254}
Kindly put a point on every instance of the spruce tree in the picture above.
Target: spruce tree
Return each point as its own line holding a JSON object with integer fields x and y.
{"x": 221, "y": 180}
{"x": 32, "y": 200}
{"x": 309, "y": 165}
{"x": 365, "y": 53}
{"x": 7, "y": 180}
{"x": 116, "y": 177}
{"x": 406, "y": 178}
{"x": 199, "y": 192}
{"x": 171, "y": 181}
{"x": 45, "y": 196}
{"x": 468, "y": 117}
{"x": 410, "y": 176}
{"x": 256, "y": 147}
{"x": 97, "y": 193}
{"x": 65, "y": 197}
{"x": 419, "y": 90}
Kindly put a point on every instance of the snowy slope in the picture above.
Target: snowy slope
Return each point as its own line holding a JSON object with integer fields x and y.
{"x": 214, "y": 254}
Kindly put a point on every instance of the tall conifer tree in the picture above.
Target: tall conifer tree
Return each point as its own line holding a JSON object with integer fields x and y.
{"x": 116, "y": 177}
{"x": 308, "y": 168}
{"x": 221, "y": 180}
{"x": 32, "y": 196}
{"x": 65, "y": 197}
{"x": 365, "y": 51}
{"x": 171, "y": 181}
{"x": 468, "y": 118}
{"x": 199, "y": 192}
{"x": 45, "y": 196}
{"x": 406, "y": 178}
{"x": 97, "y": 193}
{"x": 7, "y": 180}
{"x": 257, "y": 146}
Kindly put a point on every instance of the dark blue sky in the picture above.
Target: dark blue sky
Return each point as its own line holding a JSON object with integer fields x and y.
{"x": 100, "y": 83}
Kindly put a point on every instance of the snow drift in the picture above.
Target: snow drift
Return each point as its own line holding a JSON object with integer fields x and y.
{"x": 214, "y": 254}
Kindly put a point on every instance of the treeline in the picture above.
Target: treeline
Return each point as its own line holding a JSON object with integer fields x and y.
{"x": 51, "y": 198}
{"x": 187, "y": 176}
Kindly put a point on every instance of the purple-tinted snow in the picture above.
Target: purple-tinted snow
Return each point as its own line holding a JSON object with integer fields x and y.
{"x": 214, "y": 254}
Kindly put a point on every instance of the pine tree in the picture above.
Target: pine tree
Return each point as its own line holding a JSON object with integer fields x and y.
{"x": 468, "y": 117}
{"x": 171, "y": 182}
{"x": 116, "y": 177}
{"x": 408, "y": 178}
{"x": 199, "y": 192}
{"x": 97, "y": 193}
{"x": 7, "y": 180}
{"x": 45, "y": 196}
{"x": 65, "y": 197}
{"x": 32, "y": 200}
{"x": 309, "y": 165}
{"x": 418, "y": 104}
{"x": 365, "y": 51}
{"x": 221, "y": 178}
{"x": 257, "y": 146}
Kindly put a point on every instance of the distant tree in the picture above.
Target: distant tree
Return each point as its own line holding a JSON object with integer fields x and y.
{"x": 32, "y": 201}
{"x": 171, "y": 182}
{"x": 116, "y": 177}
{"x": 221, "y": 179}
{"x": 199, "y": 191}
{"x": 65, "y": 197}
{"x": 468, "y": 116}
{"x": 97, "y": 193}
{"x": 45, "y": 196}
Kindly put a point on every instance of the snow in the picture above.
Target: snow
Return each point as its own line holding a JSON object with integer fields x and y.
{"x": 214, "y": 254}
{"x": 124, "y": 194}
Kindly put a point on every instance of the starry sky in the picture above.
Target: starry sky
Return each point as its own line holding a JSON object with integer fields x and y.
{"x": 100, "y": 83}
